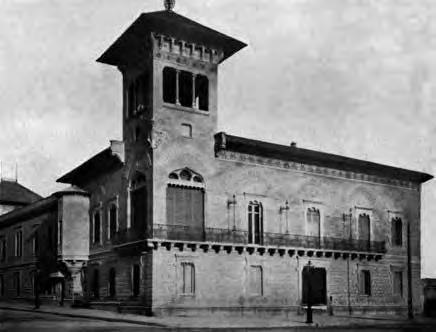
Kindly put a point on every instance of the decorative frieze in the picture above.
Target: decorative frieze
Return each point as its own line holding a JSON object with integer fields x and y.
{"x": 182, "y": 51}
{"x": 295, "y": 166}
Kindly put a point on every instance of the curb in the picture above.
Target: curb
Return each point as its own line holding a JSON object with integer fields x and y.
{"x": 239, "y": 328}
{"x": 108, "y": 319}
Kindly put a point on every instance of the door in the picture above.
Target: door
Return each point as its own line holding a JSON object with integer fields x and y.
{"x": 135, "y": 280}
{"x": 314, "y": 286}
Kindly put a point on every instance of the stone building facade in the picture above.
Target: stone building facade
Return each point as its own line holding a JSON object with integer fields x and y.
{"x": 186, "y": 220}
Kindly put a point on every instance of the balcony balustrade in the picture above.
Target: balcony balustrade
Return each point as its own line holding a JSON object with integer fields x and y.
{"x": 219, "y": 235}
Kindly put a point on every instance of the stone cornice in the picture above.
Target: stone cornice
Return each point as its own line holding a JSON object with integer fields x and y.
{"x": 312, "y": 169}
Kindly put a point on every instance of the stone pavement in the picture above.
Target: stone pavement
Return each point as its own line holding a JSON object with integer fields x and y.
{"x": 340, "y": 321}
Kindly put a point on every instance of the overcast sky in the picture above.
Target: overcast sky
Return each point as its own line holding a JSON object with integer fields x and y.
{"x": 352, "y": 77}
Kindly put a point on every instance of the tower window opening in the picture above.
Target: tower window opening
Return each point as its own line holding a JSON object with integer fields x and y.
{"x": 169, "y": 85}
{"x": 184, "y": 88}
{"x": 202, "y": 92}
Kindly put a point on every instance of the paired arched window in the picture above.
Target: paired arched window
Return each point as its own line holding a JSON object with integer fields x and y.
{"x": 184, "y": 88}
{"x": 255, "y": 222}
{"x": 397, "y": 231}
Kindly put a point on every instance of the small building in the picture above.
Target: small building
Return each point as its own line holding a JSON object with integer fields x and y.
{"x": 177, "y": 218}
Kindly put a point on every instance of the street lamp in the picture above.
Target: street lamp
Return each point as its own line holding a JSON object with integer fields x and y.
{"x": 308, "y": 269}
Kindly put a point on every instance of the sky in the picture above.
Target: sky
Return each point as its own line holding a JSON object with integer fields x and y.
{"x": 350, "y": 77}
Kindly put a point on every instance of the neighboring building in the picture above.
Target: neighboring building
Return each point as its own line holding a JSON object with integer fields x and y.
{"x": 429, "y": 297}
{"x": 184, "y": 219}
{"x": 13, "y": 195}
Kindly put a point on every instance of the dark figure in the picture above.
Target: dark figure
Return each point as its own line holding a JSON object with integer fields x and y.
{"x": 36, "y": 289}
{"x": 330, "y": 306}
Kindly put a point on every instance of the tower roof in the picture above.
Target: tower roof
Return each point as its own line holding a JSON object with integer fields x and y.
{"x": 130, "y": 44}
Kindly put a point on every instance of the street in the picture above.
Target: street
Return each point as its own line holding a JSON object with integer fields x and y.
{"x": 16, "y": 321}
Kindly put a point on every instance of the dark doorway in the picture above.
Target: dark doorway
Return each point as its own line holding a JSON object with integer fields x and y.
{"x": 136, "y": 277}
{"x": 112, "y": 282}
{"x": 318, "y": 281}
{"x": 96, "y": 284}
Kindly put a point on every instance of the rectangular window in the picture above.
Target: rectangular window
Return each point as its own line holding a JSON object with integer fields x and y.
{"x": 2, "y": 286}
{"x": 2, "y": 249}
{"x": 188, "y": 286}
{"x": 313, "y": 220}
{"x": 60, "y": 230}
{"x": 35, "y": 243}
{"x": 17, "y": 283}
{"x": 185, "y": 209}
{"x": 398, "y": 283}
{"x": 256, "y": 280}
{"x": 136, "y": 280}
{"x": 186, "y": 130}
{"x": 365, "y": 282}
{"x": 97, "y": 227}
{"x": 364, "y": 227}
{"x": 397, "y": 232}
{"x": 19, "y": 243}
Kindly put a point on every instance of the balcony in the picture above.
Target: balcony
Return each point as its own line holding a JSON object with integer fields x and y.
{"x": 240, "y": 237}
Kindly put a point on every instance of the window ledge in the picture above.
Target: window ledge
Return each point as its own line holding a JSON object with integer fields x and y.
{"x": 185, "y": 109}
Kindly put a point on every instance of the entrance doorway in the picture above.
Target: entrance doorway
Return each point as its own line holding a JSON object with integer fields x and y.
{"x": 318, "y": 283}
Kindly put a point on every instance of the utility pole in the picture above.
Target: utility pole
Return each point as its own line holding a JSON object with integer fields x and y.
{"x": 409, "y": 275}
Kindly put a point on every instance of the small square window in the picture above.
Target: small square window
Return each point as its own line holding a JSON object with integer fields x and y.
{"x": 186, "y": 130}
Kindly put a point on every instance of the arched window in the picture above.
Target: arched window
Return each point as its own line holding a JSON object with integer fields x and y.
{"x": 255, "y": 222}
{"x": 97, "y": 227}
{"x": 113, "y": 222}
{"x": 397, "y": 231}
{"x": 112, "y": 282}
{"x": 95, "y": 288}
{"x": 138, "y": 202}
{"x": 313, "y": 219}
{"x": 185, "y": 203}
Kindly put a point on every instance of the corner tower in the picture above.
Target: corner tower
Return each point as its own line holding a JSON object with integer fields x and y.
{"x": 169, "y": 66}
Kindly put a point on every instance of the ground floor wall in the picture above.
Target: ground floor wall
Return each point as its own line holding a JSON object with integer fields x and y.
{"x": 197, "y": 281}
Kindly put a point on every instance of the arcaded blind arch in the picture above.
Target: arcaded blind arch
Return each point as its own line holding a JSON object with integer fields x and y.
{"x": 397, "y": 231}
{"x": 255, "y": 222}
{"x": 185, "y": 202}
{"x": 313, "y": 220}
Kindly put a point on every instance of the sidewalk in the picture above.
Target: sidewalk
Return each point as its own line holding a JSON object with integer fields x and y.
{"x": 340, "y": 321}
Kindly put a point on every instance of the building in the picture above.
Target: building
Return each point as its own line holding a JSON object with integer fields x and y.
{"x": 177, "y": 218}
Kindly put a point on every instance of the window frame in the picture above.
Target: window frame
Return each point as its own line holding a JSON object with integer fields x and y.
{"x": 184, "y": 286}
{"x": 259, "y": 268}
{"x": 397, "y": 233}
{"x": 365, "y": 283}
{"x": 110, "y": 205}
{"x": 251, "y": 222}
{"x": 18, "y": 243}
{"x": 198, "y": 90}
{"x": 94, "y": 213}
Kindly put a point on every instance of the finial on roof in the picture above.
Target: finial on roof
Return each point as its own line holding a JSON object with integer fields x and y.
{"x": 169, "y": 5}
